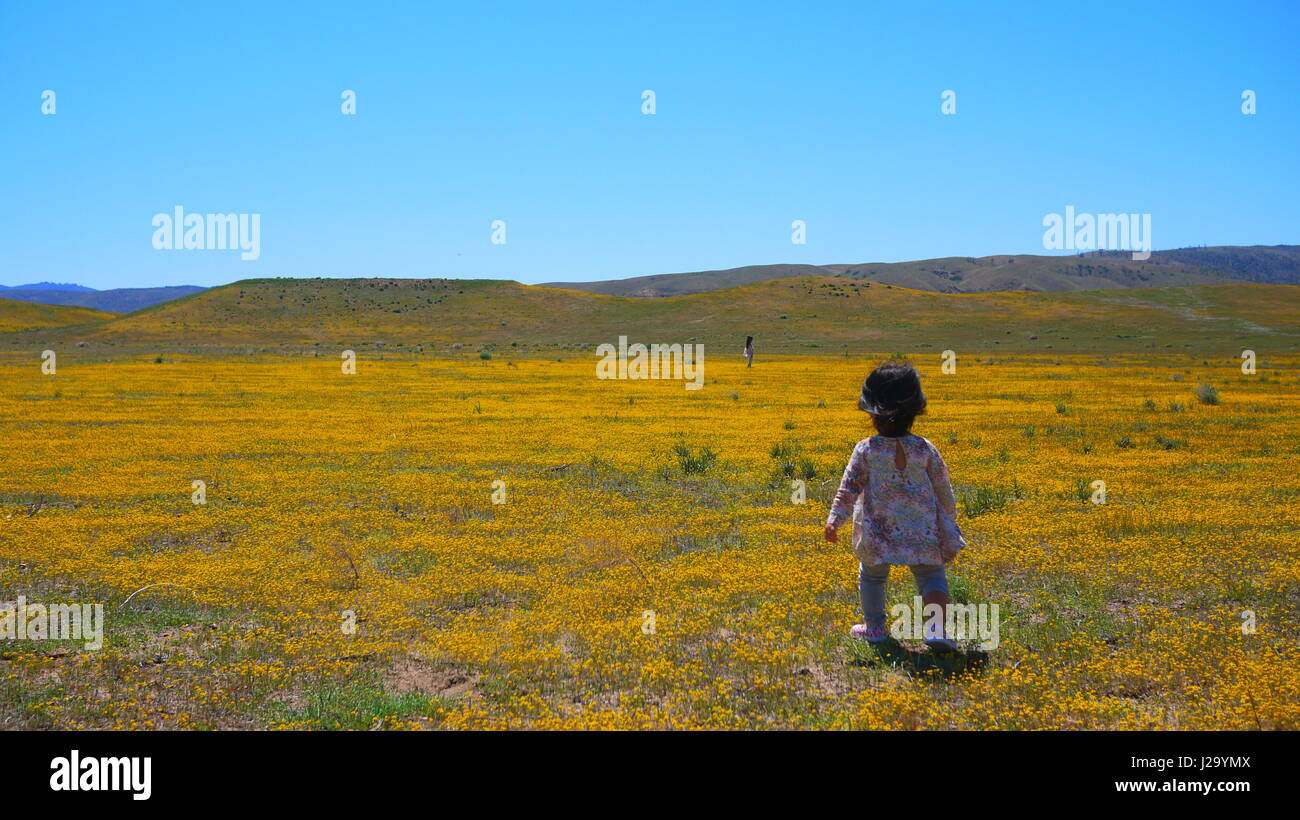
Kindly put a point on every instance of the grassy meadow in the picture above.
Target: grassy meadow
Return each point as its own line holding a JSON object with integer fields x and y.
{"x": 646, "y": 567}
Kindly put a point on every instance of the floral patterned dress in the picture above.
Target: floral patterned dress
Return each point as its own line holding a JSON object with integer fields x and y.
{"x": 900, "y": 497}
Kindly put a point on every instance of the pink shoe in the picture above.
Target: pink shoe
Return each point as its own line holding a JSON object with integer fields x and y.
{"x": 870, "y": 634}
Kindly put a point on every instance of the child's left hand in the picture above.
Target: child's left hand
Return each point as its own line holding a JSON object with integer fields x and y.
{"x": 830, "y": 533}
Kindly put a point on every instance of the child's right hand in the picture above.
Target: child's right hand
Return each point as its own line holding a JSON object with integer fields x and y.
{"x": 830, "y": 533}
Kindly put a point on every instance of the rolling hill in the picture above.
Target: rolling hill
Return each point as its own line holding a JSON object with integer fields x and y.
{"x": 18, "y": 316}
{"x": 1278, "y": 264}
{"x": 791, "y": 315}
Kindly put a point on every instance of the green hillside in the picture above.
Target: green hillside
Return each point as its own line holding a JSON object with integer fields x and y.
{"x": 19, "y": 315}
{"x": 794, "y": 315}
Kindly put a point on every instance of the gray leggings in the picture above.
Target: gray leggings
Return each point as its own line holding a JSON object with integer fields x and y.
{"x": 872, "y": 580}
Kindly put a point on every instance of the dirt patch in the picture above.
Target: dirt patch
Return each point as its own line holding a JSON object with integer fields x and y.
{"x": 435, "y": 680}
{"x": 830, "y": 682}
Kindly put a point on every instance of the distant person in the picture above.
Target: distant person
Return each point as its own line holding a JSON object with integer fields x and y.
{"x": 749, "y": 351}
{"x": 897, "y": 491}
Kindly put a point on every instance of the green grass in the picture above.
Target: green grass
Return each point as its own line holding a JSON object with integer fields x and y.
{"x": 692, "y": 462}
{"x": 977, "y": 501}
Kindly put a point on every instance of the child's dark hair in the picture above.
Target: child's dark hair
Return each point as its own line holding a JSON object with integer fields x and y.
{"x": 892, "y": 395}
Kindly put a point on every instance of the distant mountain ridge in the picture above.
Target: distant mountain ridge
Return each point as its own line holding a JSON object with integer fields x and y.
{"x": 1097, "y": 270}
{"x": 60, "y": 286}
{"x": 1266, "y": 264}
{"x": 116, "y": 300}
{"x": 680, "y": 284}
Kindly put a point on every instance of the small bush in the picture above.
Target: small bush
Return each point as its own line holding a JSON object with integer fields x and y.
{"x": 1168, "y": 443}
{"x": 977, "y": 501}
{"x": 1207, "y": 394}
{"x": 694, "y": 462}
{"x": 807, "y": 469}
{"x": 782, "y": 451}
{"x": 1083, "y": 490}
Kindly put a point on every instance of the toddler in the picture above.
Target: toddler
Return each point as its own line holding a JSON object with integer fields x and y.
{"x": 896, "y": 489}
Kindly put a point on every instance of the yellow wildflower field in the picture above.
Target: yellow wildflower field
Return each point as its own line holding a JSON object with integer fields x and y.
{"x": 468, "y": 543}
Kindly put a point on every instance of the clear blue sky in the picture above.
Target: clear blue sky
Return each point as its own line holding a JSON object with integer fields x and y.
{"x": 531, "y": 113}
